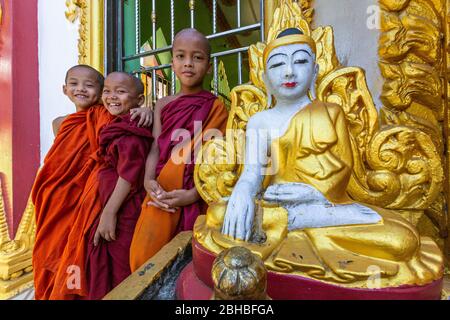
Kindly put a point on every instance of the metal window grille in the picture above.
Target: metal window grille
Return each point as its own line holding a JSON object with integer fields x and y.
{"x": 160, "y": 86}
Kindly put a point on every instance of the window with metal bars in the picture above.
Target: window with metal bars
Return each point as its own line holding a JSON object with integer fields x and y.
{"x": 140, "y": 35}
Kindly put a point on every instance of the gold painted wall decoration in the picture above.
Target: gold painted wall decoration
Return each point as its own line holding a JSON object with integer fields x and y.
{"x": 90, "y": 13}
{"x": 413, "y": 65}
{"x": 73, "y": 10}
{"x": 15, "y": 255}
{"x": 271, "y": 5}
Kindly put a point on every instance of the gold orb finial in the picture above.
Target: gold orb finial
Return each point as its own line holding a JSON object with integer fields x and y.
{"x": 238, "y": 274}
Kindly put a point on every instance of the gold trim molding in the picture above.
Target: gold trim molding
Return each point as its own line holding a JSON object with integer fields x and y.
{"x": 90, "y": 13}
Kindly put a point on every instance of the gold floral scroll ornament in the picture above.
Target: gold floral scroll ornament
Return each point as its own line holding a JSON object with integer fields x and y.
{"x": 90, "y": 43}
{"x": 413, "y": 65}
{"x": 15, "y": 255}
{"x": 395, "y": 167}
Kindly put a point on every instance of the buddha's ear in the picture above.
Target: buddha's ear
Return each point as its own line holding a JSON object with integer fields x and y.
{"x": 268, "y": 91}
{"x": 316, "y": 71}
{"x": 312, "y": 88}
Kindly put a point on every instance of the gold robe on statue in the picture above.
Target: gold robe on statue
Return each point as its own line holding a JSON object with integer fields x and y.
{"x": 316, "y": 150}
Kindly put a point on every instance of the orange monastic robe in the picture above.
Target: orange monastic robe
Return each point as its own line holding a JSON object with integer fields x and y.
{"x": 58, "y": 188}
{"x": 155, "y": 227}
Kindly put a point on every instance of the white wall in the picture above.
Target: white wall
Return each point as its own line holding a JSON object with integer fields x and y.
{"x": 58, "y": 51}
{"x": 356, "y": 36}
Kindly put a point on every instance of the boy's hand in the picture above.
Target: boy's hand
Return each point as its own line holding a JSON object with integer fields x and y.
{"x": 178, "y": 198}
{"x": 106, "y": 228}
{"x": 155, "y": 191}
{"x": 145, "y": 116}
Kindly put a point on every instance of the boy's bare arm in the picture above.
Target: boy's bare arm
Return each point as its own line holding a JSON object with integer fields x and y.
{"x": 153, "y": 156}
{"x": 56, "y": 124}
{"x": 108, "y": 220}
{"x": 145, "y": 116}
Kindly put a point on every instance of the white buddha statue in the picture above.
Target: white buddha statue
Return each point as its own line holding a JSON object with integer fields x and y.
{"x": 298, "y": 163}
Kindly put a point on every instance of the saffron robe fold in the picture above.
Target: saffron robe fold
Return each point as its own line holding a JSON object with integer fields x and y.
{"x": 58, "y": 188}
{"x": 157, "y": 227}
{"x": 123, "y": 151}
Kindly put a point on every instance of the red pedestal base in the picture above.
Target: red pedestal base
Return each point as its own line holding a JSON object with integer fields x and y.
{"x": 195, "y": 283}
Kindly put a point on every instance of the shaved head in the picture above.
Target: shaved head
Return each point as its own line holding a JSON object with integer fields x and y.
{"x": 95, "y": 74}
{"x": 136, "y": 82}
{"x": 194, "y": 33}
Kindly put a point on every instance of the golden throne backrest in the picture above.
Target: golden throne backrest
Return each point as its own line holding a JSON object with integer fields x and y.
{"x": 395, "y": 167}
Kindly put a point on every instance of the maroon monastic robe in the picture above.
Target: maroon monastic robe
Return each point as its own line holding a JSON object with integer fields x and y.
{"x": 157, "y": 227}
{"x": 122, "y": 152}
{"x": 124, "y": 148}
{"x": 182, "y": 114}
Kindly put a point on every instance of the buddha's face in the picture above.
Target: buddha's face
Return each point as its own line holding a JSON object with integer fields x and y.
{"x": 290, "y": 71}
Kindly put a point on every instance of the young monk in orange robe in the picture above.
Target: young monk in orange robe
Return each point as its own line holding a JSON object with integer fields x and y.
{"x": 61, "y": 180}
{"x": 173, "y": 203}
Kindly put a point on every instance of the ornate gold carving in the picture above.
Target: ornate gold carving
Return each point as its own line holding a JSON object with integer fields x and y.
{"x": 15, "y": 255}
{"x": 90, "y": 43}
{"x": 223, "y": 89}
{"x": 414, "y": 95}
{"x": 395, "y": 167}
{"x": 4, "y": 235}
{"x": 73, "y": 10}
{"x": 271, "y": 5}
{"x": 238, "y": 274}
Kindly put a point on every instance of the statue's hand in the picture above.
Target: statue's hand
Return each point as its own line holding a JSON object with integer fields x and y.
{"x": 240, "y": 214}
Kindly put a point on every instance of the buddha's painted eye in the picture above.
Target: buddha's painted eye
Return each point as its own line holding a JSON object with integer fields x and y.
{"x": 301, "y": 61}
{"x": 276, "y": 65}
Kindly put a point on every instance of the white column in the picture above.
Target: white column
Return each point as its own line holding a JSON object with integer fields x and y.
{"x": 58, "y": 51}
